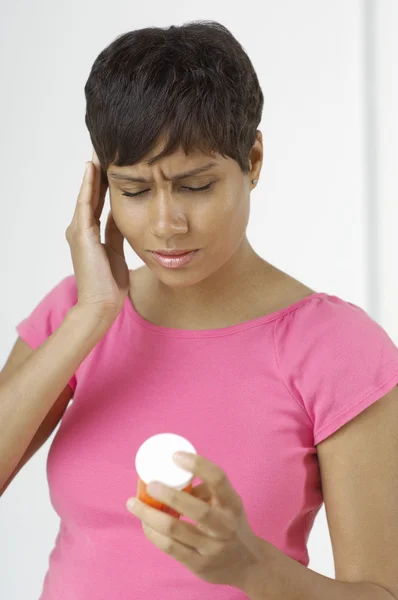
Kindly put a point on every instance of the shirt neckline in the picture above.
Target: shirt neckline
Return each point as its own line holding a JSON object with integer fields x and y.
{"x": 219, "y": 331}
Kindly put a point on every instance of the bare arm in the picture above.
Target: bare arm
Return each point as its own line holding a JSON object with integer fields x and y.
{"x": 37, "y": 389}
{"x": 34, "y": 386}
{"x": 280, "y": 577}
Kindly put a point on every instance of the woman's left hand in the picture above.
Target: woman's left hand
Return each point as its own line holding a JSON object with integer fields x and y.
{"x": 221, "y": 547}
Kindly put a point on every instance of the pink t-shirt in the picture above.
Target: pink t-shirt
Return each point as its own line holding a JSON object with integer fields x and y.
{"x": 254, "y": 398}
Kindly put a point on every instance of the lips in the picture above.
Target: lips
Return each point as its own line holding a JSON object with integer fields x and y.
{"x": 173, "y": 253}
{"x": 175, "y": 262}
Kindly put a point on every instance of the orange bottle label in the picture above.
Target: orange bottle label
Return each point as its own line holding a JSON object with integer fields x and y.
{"x": 143, "y": 495}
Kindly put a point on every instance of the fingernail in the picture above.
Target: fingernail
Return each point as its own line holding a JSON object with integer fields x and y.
{"x": 154, "y": 487}
{"x": 131, "y": 503}
{"x": 181, "y": 457}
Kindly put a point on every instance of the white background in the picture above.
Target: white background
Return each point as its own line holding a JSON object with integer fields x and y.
{"x": 325, "y": 209}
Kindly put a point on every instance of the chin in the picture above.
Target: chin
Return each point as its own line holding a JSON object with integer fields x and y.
{"x": 176, "y": 278}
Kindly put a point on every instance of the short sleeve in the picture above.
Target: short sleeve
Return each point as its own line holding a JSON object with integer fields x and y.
{"x": 47, "y": 316}
{"x": 335, "y": 361}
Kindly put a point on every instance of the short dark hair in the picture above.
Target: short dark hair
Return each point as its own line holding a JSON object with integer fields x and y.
{"x": 193, "y": 83}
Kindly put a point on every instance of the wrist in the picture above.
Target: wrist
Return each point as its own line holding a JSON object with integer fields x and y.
{"x": 91, "y": 318}
{"x": 256, "y": 578}
{"x": 250, "y": 576}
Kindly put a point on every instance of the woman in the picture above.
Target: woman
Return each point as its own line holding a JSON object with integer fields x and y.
{"x": 275, "y": 384}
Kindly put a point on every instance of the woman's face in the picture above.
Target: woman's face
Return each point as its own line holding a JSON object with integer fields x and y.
{"x": 166, "y": 214}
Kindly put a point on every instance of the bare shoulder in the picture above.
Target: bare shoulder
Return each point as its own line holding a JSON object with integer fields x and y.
{"x": 269, "y": 290}
{"x": 280, "y": 290}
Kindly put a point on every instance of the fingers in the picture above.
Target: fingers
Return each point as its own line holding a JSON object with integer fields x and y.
{"x": 114, "y": 238}
{"x": 91, "y": 198}
{"x": 83, "y": 215}
{"x": 201, "y": 491}
{"x": 96, "y": 182}
{"x": 100, "y": 188}
{"x": 90, "y": 203}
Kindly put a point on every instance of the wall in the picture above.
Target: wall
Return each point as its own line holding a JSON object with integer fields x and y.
{"x": 323, "y": 211}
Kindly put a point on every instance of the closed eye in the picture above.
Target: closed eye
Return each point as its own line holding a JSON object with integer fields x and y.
{"x": 190, "y": 189}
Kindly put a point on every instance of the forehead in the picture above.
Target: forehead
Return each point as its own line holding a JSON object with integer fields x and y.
{"x": 177, "y": 158}
{"x": 123, "y": 175}
{"x": 197, "y": 151}
{"x": 175, "y": 166}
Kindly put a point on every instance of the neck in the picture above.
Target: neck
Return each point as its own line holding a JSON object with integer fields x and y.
{"x": 222, "y": 288}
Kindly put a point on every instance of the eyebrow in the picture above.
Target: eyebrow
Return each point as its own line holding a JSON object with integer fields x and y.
{"x": 125, "y": 177}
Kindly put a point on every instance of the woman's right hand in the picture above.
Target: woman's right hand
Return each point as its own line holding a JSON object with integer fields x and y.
{"x": 101, "y": 272}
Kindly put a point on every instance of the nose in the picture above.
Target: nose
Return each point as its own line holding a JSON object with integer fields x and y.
{"x": 167, "y": 215}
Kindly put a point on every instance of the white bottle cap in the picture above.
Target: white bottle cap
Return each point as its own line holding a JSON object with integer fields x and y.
{"x": 154, "y": 460}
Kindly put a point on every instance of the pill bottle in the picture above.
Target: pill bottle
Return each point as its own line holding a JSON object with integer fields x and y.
{"x": 154, "y": 462}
